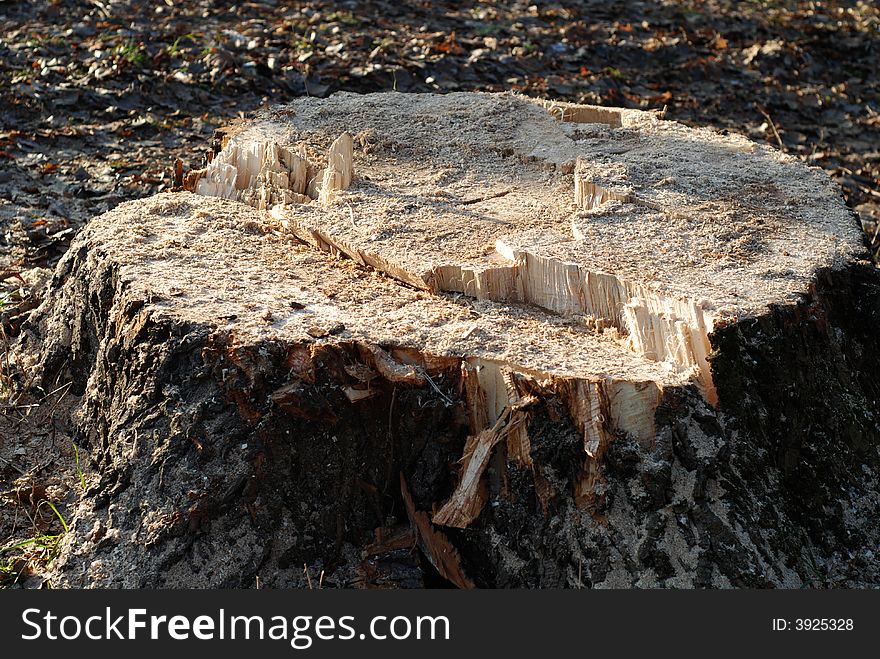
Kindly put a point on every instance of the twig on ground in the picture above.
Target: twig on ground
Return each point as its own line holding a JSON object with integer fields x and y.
{"x": 772, "y": 127}
{"x": 14, "y": 466}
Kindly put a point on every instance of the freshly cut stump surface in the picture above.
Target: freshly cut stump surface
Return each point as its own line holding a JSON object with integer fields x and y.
{"x": 655, "y": 229}
{"x": 545, "y": 344}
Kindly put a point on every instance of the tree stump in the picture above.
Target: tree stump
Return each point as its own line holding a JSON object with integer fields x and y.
{"x": 547, "y": 344}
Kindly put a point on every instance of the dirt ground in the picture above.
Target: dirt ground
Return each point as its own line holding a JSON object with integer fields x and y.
{"x": 98, "y": 98}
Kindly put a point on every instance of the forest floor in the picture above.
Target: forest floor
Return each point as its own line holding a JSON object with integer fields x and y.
{"x": 98, "y": 98}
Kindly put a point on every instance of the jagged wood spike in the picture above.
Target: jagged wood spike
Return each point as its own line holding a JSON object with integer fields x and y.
{"x": 339, "y": 170}
{"x": 264, "y": 174}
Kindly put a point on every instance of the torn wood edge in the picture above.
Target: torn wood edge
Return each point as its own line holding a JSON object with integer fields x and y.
{"x": 264, "y": 174}
{"x": 658, "y": 327}
{"x": 340, "y": 169}
{"x": 434, "y": 543}
{"x": 589, "y": 408}
{"x": 391, "y": 369}
{"x": 466, "y": 502}
{"x": 583, "y": 114}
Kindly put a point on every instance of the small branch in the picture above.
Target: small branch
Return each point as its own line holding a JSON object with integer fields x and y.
{"x": 446, "y": 399}
{"x": 467, "y": 202}
{"x": 772, "y": 127}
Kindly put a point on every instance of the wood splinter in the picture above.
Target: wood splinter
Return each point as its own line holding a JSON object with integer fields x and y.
{"x": 338, "y": 174}
{"x": 264, "y": 174}
{"x": 466, "y": 503}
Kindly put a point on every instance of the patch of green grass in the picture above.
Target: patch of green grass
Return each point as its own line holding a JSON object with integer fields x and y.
{"x": 344, "y": 17}
{"x": 382, "y": 43}
{"x": 36, "y": 40}
{"x": 175, "y": 47}
{"x": 82, "y": 476}
{"x": 35, "y": 552}
{"x": 131, "y": 52}
{"x": 489, "y": 29}
{"x": 299, "y": 42}
{"x": 301, "y": 36}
